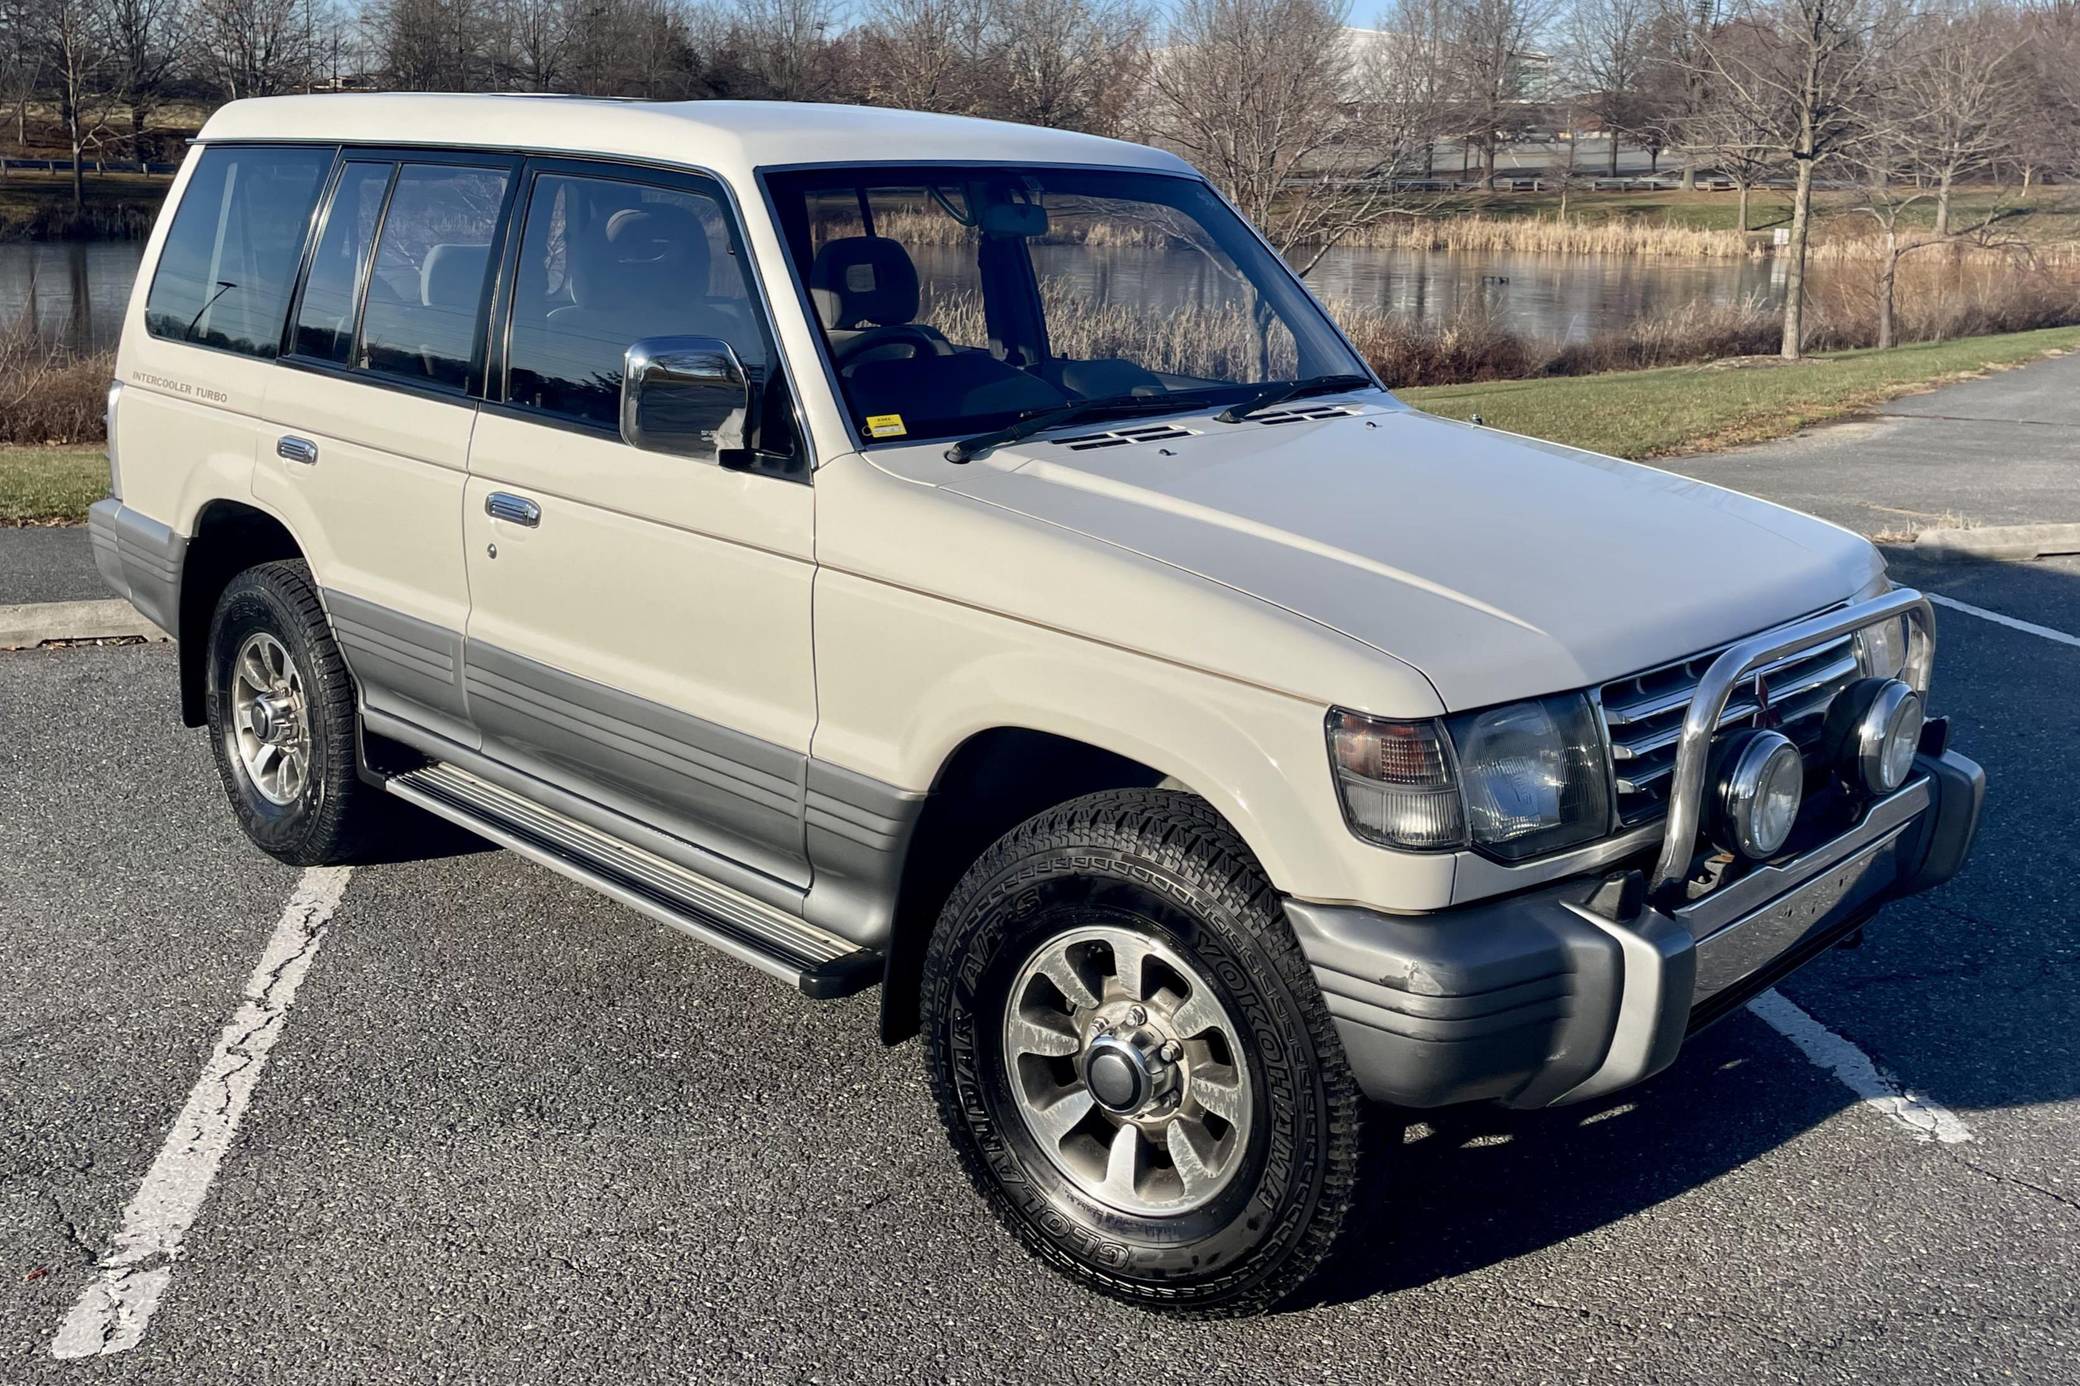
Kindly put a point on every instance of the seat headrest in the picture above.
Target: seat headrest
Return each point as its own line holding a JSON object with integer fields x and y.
{"x": 452, "y": 275}
{"x": 863, "y": 281}
{"x": 640, "y": 256}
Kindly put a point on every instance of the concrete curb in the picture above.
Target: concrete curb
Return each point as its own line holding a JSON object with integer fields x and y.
{"x": 39, "y": 623}
{"x": 1999, "y": 541}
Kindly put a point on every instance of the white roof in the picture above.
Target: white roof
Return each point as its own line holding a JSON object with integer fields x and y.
{"x": 729, "y": 137}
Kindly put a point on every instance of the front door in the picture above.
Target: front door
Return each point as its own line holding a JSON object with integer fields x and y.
{"x": 639, "y": 623}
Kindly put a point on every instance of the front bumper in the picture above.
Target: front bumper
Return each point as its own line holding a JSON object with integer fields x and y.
{"x": 1568, "y": 992}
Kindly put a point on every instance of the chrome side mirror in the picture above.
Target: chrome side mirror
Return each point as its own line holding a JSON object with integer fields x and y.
{"x": 687, "y": 396}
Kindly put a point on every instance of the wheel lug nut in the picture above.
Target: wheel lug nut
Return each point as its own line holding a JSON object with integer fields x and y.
{"x": 1172, "y": 1051}
{"x": 1137, "y": 1015}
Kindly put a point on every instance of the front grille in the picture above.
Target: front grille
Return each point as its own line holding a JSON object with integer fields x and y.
{"x": 1644, "y": 715}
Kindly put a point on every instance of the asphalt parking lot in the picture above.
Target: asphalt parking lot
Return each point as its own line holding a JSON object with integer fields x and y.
{"x": 511, "y": 1132}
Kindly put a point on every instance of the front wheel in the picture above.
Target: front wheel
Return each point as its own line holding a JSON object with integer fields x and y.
{"x": 1134, "y": 1062}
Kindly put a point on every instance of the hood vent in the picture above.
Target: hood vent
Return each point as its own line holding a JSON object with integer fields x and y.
{"x": 1124, "y": 437}
{"x": 1305, "y": 411}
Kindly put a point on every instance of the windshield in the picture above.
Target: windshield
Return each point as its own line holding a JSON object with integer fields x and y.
{"x": 957, "y": 301}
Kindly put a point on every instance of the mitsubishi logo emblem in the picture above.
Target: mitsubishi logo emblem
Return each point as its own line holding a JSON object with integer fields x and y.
{"x": 1765, "y": 715}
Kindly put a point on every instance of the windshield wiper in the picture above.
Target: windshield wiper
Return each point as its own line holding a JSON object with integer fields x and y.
{"x": 1040, "y": 420}
{"x": 1284, "y": 390}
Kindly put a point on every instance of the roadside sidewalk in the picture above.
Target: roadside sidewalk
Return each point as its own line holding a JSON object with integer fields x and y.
{"x": 2002, "y": 450}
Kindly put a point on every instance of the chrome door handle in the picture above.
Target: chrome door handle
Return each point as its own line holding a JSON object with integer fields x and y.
{"x": 296, "y": 449}
{"x": 502, "y": 505}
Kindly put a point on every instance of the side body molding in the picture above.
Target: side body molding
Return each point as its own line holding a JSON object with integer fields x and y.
{"x": 810, "y": 836}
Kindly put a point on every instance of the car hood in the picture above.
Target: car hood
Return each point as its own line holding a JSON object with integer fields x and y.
{"x": 1499, "y": 566}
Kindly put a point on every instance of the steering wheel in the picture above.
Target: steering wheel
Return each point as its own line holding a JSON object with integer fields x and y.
{"x": 920, "y": 341}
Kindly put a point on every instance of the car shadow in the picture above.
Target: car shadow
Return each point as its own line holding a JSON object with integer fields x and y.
{"x": 1468, "y": 1188}
{"x": 409, "y": 833}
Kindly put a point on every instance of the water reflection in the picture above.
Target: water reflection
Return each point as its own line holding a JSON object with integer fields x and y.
{"x": 76, "y": 292}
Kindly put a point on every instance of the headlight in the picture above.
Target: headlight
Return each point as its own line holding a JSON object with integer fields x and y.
{"x": 1515, "y": 781}
{"x": 1758, "y": 780}
{"x": 1872, "y": 733}
{"x": 1881, "y": 650}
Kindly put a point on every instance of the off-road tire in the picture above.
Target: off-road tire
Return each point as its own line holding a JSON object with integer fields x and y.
{"x": 333, "y": 817}
{"x": 1166, "y": 862}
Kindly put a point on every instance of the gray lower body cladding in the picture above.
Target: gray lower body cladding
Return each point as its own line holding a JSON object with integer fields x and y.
{"x": 826, "y": 841}
{"x": 1536, "y": 999}
{"x": 140, "y": 559}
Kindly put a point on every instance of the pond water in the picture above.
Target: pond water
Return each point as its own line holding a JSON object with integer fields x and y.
{"x": 76, "y": 292}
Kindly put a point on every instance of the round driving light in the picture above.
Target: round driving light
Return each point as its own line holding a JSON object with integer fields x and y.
{"x": 1759, "y": 779}
{"x": 1873, "y": 731}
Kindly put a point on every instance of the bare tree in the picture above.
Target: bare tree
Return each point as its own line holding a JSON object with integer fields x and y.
{"x": 1418, "y": 71}
{"x": 76, "y": 61}
{"x": 21, "y": 62}
{"x": 1070, "y": 64}
{"x": 929, "y": 55}
{"x": 1492, "y": 41}
{"x": 1607, "y": 57}
{"x": 1310, "y": 136}
{"x": 1805, "y": 69}
{"x": 144, "y": 41}
{"x": 786, "y": 47}
{"x": 254, "y": 47}
{"x": 1741, "y": 143}
{"x": 1960, "y": 82}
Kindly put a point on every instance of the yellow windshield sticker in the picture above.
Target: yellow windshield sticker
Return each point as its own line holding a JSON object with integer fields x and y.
{"x": 885, "y": 426}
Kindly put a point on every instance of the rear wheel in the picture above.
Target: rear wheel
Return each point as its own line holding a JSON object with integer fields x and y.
{"x": 1133, "y": 1060}
{"x": 282, "y": 718}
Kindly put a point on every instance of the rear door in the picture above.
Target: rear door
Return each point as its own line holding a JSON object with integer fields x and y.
{"x": 367, "y": 450}
{"x": 639, "y": 635}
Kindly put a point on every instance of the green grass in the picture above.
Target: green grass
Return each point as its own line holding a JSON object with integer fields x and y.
{"x": 1640, "y": 414}
{"x": 51, "y": 486}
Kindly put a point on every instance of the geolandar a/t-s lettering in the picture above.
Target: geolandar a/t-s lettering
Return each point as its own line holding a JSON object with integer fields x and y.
{"x": 909, "y": 551}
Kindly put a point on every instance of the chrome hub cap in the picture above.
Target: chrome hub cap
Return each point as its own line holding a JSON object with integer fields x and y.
{"x": 1127, "y": 1071}
{"x": 268, "y": 719}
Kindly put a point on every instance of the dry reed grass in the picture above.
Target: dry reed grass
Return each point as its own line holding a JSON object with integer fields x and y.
{"x": 47, "y": 393}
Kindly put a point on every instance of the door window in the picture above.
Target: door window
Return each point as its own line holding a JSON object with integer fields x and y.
{"x": 332, "y": 288}
{"x": 605, "y": 262}
{"x": 229, "y": 259}
{"x": 427, "y": 282}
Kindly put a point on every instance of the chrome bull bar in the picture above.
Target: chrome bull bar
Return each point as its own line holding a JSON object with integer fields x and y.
{"x": 1701, "y": 722}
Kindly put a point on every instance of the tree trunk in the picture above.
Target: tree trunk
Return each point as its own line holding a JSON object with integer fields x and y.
{"x": 1614, "y": 153}
{"x": 1887, "y": 281}
{"x": 1943, "y": 203}
{"x": 1795, "y": 272}
{"x": 1743, "y": 212}
{"x": 79, "y": 152}
{"x": 1689, "y": 176}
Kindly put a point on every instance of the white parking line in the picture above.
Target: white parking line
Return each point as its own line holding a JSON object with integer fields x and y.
{"x": 2030, "y": 627}
{"x": 1927, "y": 1120}
{"x": 115, "y": 1308}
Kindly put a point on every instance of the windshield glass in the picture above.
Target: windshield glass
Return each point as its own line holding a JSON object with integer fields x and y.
{"x": 956, "y": 301}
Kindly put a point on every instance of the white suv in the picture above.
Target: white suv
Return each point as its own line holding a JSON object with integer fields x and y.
{"x": 904, "y": 550}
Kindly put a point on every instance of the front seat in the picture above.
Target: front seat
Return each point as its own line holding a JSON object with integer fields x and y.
{"x": 644, "y": 274}
{"x": 866, "y": 292}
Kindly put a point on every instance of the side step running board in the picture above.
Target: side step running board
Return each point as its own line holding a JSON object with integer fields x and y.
{"x": 771, "y": 940}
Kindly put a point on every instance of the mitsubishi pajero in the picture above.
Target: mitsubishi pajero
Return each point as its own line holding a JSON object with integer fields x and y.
{"x": 916, "y": 552}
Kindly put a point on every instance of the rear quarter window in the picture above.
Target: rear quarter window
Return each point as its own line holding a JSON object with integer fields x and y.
{"x": 228, "y": 264}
